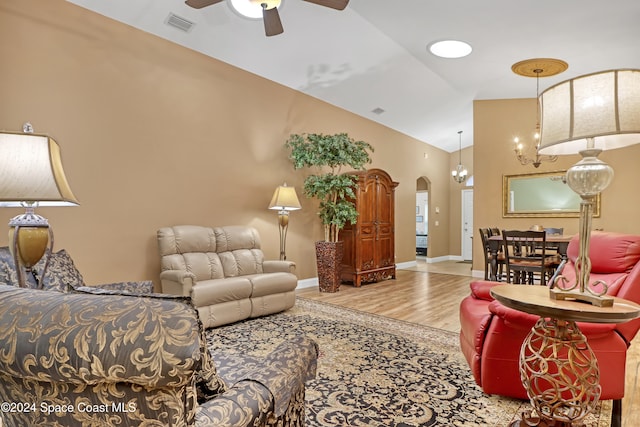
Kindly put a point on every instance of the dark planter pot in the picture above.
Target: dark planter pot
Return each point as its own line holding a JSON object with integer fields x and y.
{"x": 329, "y": 263}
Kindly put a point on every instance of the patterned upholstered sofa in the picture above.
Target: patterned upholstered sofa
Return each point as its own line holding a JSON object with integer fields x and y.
{"x": 224, "y": 271}
{"x": 91, "y": 356}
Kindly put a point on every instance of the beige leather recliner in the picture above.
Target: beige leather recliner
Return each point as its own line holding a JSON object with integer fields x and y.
{"x": 224, "y": 272}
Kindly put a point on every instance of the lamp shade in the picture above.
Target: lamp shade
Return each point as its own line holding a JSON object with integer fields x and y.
{"x": 31, "y": 171}
{"x": 604, "y": 107}
{"x": 285, "y": 199}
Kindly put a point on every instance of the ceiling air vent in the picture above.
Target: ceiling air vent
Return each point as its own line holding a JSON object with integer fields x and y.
{"x": 179, "y": 22}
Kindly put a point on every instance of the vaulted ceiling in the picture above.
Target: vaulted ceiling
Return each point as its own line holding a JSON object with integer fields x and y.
{"x": 372, "y": 58}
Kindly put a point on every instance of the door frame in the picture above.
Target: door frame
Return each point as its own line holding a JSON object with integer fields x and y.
{"x": 466, "y": 244}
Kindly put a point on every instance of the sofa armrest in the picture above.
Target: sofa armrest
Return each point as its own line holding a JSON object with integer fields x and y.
{"x": 274, "y": 266}
{"x": 270, "y": 388}
{"x": 481, "y": 289}
{"x": 82, "y": 347}
{"x": 177, "y": 282}
{"x": 514, "y": 318}
{"x": 246, "y": 404}
{"x": 285, "y": 370}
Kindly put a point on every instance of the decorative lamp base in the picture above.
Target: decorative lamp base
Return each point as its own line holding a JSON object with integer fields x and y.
{"x": 29, "y": 238}
{"x": 575, "y": 295}
{"x": 283, "y": 223}
{"x": 30, "y": 244}
{"x": 560, "y": 373}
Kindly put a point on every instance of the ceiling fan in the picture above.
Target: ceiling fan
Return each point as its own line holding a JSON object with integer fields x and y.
{"x": 270, "y": 15}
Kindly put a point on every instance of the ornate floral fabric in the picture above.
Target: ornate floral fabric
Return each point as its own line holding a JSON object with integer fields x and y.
{"x": 107, "y": 360}
{"x": 285, "y": 359}
{"x": 8, "y": 272}
{"x": 93, "y": 357}
{"x": 61, "y": 275}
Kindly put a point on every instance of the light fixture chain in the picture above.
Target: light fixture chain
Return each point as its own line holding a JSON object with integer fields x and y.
{"x": 519, "y": 148}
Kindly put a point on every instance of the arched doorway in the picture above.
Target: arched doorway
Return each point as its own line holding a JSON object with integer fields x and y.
{"x": 423, "y": 186}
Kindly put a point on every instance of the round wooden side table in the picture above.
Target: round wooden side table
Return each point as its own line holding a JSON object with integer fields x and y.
{"x": 557, "y": 366}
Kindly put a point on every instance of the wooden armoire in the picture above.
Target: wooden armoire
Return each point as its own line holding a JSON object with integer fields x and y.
{"x": 369, "y": 252}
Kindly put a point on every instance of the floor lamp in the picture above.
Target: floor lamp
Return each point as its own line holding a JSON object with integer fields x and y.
{"x": 284, "y": 200}
{"x": 31, "y": 175}
{"x": 586, "y": 115}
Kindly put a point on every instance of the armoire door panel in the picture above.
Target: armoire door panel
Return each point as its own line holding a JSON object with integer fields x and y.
{"x": 385, "y": 252}
{"x": 367, "y": 249}
{"x": 386, "y": 229}
{"x": 367, "y": 230}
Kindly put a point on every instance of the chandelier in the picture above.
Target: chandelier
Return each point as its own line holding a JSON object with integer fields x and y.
{"x": 539, "y": 67}
{"x": 459, "y": 174}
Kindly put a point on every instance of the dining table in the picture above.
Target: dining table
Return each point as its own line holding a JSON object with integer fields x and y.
{"x": 556, "y": 241}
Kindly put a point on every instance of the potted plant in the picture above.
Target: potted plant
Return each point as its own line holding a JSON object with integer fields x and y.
{"x": 329, "y": 154}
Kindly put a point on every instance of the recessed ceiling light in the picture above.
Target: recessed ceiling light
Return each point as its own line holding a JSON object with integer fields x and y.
{"x": 450, "y": 49}
{"x": 252, "y": 8}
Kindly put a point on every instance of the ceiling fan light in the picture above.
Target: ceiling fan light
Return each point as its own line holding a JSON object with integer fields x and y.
{"x": 450, "y": 49}
{"x": 252, "y": 8}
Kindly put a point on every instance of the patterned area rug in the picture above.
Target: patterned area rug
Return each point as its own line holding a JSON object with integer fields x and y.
{"x": 375, "y": 372}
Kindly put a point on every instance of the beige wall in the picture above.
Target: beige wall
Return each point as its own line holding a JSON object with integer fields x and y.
{"x": 153, "y": 134}
{"x": 496, "y": 122}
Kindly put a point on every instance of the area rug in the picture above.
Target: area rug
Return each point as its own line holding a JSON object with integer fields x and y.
{"x": 375, "y": 371}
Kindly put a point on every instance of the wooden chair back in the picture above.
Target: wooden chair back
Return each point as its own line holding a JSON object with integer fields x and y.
{"x": 525, "y": 257}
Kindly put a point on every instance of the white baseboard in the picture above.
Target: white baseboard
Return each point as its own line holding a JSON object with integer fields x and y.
{"x": 309, "y": 283}
{"x": 441, "y": 258}
{"x": 408, "y": 264}
{"x": 477, "y": 273}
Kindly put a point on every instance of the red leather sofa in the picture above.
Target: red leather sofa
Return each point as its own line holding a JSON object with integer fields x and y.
{"x": 491, "y": 334}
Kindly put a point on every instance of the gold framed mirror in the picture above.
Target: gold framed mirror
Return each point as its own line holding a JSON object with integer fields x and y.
{"x": 540, "y": 195}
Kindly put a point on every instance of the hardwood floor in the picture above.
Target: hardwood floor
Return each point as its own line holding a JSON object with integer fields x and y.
{"x": 416, "y": 296}
{"x": 430, "y": 294}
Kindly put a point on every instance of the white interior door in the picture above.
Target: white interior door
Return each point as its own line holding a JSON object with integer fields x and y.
{"x": 467, "y": 225}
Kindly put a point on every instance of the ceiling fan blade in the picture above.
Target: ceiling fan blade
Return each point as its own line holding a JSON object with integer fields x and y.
{"x": 272, "y": 24}
{"x": 199, "y": 4}
{"x": 333, "y": 4}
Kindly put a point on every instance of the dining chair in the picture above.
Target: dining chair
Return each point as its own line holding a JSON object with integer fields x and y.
{"x": 485, "y": 233}
{"x": 526, "y": 259}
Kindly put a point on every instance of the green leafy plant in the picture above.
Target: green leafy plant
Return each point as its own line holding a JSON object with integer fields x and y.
{"x": 332, "y": 188}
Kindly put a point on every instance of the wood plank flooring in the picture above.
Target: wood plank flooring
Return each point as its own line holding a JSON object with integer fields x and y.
{"x": 430, "y": 294}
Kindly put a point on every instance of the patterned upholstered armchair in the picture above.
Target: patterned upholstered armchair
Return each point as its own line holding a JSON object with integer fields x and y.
{"x": 94, "y": 357}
